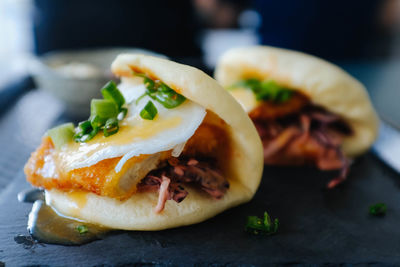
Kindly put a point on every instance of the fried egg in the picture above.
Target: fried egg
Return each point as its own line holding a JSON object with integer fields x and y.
{"x": 169, "y": 130}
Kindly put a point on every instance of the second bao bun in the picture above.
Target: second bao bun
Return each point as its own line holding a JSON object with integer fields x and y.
{"x": 324, "y": 83}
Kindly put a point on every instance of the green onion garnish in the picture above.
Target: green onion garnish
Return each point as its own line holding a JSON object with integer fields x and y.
{"x": 85, "y": 132}
{"x": 84, "y": 126}
{"x": 82, "y": 137}
{"x": 168, "y": 97}
{"x": 61, "y": 134}
{"x": 82, "y": 229}
{"x": 111, "y": 127}
{"x": 150, "y": 84}
{"x": 122, "y": 114}
{"x": 97, "y": 122}
{"x": 149, "y": 111}
{"x": 378, "y": 209}
{"x": 256, "y": 225}
{"x": 103, "y": 108}
{"x": 160, "y": 92}
{"x": 266, "y": 90}
{"x": 104, "y": 115}
{"x": 140, "y": 97}
{"x": 111, "y": 92}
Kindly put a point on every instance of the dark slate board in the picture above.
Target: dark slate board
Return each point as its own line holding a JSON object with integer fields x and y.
{"x": 317, "y": 226}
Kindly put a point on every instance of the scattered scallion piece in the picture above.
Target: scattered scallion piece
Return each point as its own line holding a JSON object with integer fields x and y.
{"x": 82, "y": 229}
{"x": 161, "y": 92}
{"x": 111, "y": 127}
{"x": 82, "y": 137}
{"x": 111, "y": 92}
{"x": 149, "y": 83}
{"x": 61, "y": 134}
{"x": 149, "y": 111}
{"x": 378, "y": 209}
{"x": 168, "y": 97}
{"x": 140, "y": 98}
{"x": 265, "y": 90}
{"x": 104, "y": 115}
{"x": 256, "y": 225}
{"x": 84, "y": 126}
{"x": 103, "y": 108}
{"x": 97, "y": 122}
{"x": 122, "y": 114}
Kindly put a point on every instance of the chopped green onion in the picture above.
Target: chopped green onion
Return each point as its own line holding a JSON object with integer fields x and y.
{"x": 139, "y": 74}
{"x": 378, "y": 209}
{"x": 103, "y": 108}
{"x": 97, "y": 122}
{"x": 111, "y": 92}
{"x": 140, "y": 98}
{"x": 104, "y": 115}
{"x": 160, "y": 92}
{"x": 248, "y": 83}
{"x": 266, "y": 90}
{"x": 168, "y": 97}
{"x": 150, "y": 84}
{"x": 122, "y": 114}
{"x": 284, "y": 96}
{"x": 82, "y": 229}
{"x": 86, "y": 130}
{"x": 149, "y": 111}
{"x": 256, "y": 225}
{"x": 61, "y": 134}
{"x": 81, "y": 137}
{"x": 111, "y": 127}
{"x": 84, "y": 127}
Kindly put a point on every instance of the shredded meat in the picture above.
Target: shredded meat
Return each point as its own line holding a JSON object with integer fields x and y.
{"x": 310, "y": 135}
{"x": 163, "y": 196}
{"x": 168, "y": 181}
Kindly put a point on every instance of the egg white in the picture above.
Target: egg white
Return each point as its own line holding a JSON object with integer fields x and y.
{"x": 187, "y": 117}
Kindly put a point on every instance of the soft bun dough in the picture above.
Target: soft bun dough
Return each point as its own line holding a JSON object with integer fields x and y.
{"x": 326, "y": 84}
{"x": 137, "y": 213}
{"x": 244, "y": 169}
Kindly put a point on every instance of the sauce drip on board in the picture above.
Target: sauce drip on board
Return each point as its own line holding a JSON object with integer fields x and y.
{"x": 47, "y": 226}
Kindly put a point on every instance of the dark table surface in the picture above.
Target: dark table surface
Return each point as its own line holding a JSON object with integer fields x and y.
{"x": 316, "y": 225}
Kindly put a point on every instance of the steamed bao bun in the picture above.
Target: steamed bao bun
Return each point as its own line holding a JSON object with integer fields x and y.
{"x": 324, "y": 83}
{"x": 243, "y": 165}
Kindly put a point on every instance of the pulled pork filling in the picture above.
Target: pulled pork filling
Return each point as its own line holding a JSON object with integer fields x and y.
{"x": 170, "y": 179}
{"x": 299, "y": 132}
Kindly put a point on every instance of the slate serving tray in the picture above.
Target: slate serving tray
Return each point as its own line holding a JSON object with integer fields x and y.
{"x": 316, "y": 225}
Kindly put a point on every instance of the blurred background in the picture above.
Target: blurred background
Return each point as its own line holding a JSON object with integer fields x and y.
{"x": 68, "y": 45}
{"x": 198, "y": 31}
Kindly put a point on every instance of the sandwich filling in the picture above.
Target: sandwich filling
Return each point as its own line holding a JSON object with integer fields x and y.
{"x": 294, "y": 131}
{"x": 169, "y": 180}
{"x": 162, "y": 151}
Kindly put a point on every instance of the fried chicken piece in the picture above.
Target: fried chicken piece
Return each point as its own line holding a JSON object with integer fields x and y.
{"x": 43, "y": 170}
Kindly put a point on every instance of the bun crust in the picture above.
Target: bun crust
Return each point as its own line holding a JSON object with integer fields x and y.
{"x": 325, "y": 84}
{"x": 244, "y": 169}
